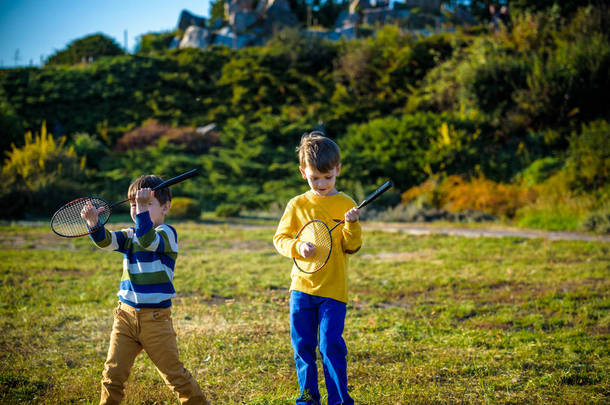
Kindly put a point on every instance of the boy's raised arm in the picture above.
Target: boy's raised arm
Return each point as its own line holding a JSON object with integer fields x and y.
{"x": 163, "y": 239}
{"x": 117, "y": 240}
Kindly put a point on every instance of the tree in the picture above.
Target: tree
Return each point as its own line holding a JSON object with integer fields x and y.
{"x": 217, "y": 11}
{"x": 86, "y": 50}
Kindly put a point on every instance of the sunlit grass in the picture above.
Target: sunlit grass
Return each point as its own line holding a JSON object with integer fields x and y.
{"x": 432, "y": 319}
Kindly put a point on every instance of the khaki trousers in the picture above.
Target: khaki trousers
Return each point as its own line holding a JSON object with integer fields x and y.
{"x": 150, "y": 329}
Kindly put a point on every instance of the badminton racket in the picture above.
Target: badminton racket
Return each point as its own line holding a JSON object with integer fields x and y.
{"x": 67, "y": 221}
{"x": 317, "y": 233}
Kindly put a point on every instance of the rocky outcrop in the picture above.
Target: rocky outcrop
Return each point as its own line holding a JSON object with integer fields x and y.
{"x": 187, "y": 20}
{"x": 195, "y": 37}
{"x": 247, "y": 25}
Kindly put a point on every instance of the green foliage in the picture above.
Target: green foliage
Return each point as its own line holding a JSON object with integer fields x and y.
{"x": 540, "y": 171}
{"x": 227, "y": 210}
{"x": 38, "y": 176}
{"x": 568, "y": 86}
{"x": 564, "y": 8}
{"x": 598, "y": 221}
{"x": 588, "y": 163}
{"x": 154, "y": 43}
{"x": 185, "y": 208}
{"x": 85, "y": 50}
{"x": 217, "y": 10}
{"x": 10, "y": 125}
{"x": 90, "y": 148}
{"x": 410, "y": 148}
{"x": 399, "y": 105}
{"x": 552, "y": 217}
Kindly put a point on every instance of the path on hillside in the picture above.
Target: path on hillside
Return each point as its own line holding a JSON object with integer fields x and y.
{"x": 423, "y": 229}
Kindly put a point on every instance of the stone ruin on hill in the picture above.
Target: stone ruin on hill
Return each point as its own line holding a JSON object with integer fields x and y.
{"x": 247, "y": 25}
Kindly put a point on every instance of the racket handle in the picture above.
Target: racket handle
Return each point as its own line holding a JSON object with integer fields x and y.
{"x": 375, "y": 194}
{"x": 177, "y": 179}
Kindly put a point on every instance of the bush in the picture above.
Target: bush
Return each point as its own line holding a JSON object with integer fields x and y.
{"x": 227, "y": 210}
{"x": 152, "y": 131}
{"x": 39, "y": 176}
{"x": 549, "y": 216}
{"x": 598, "y": 221}
{"x": 540, "y": 170}
{"x": 86, "y": 50}
{"x": 185, "y": 208}
{"x": 479, "y": 194}
{"x": 588, "y": 163}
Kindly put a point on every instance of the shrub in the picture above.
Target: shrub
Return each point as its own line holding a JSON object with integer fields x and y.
{"x": 86, "y": 49}
{"x": 185, "y": 208}
{"x": 226, "y": 210}
{"x": 552, "y": 216}
{"x": 152, "y": 131}
{"x": 598, "y": 221}
{"x": 39, "y": 176}
{"x": 155, "y": 43}
{"x": 479, "y": 194}
{"x": 588, "y": 163}
{"x": 540, "y": 170}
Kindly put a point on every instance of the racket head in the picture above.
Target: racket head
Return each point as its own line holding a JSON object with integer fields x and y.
{"x": 315, "y": 232}
{"x": 68, "y": 223}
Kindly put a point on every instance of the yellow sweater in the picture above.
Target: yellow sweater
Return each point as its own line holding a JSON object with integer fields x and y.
{"x": 331, "y": 280}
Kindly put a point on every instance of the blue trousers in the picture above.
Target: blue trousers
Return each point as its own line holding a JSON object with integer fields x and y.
{"x": 320, "y": 320}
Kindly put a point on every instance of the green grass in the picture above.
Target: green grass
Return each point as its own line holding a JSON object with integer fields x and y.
{"x": 432, "y": 319}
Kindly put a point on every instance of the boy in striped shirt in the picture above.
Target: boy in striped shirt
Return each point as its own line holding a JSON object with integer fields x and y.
{"x": 142, "y": 319}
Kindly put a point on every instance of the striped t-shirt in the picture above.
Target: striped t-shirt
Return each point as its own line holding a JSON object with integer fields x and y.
{"x": 149, "y": 257}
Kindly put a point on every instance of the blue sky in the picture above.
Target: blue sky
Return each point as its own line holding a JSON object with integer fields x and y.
{"x": 41, "y": 27}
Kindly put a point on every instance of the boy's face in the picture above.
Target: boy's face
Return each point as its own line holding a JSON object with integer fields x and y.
{"x": 322, "y": 184}
{"x": 156, "y": 211}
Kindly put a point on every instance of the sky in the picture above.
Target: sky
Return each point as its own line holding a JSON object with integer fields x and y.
{"x": 35, "y": 29}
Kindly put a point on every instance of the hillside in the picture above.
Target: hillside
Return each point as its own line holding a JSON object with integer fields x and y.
{"x": 511, "y": 123}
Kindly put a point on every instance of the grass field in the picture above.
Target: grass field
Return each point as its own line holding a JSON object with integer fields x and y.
{"x": 432, "y": 319}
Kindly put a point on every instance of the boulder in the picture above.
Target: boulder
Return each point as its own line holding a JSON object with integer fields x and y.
{"x": 243, "y": 20}
{"x": 358, "y": 5}
{"x": 195, "y": 37}
{"x": 187, "y": 19}
{"x": 278, "y": 15}
{"x": 225, "y": 36}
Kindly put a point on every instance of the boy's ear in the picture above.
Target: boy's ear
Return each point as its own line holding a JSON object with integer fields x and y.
{"x": 338, "y": 170}
{"x": 166, "y": 207}
{"x": 302, "y": 172}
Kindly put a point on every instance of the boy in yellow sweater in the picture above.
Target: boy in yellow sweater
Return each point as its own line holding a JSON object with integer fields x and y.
{"x": 318, "y": 300}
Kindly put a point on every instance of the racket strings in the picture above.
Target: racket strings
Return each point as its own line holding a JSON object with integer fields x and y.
{"x": 317, "y": 233}
{"x": 67, "y": 221}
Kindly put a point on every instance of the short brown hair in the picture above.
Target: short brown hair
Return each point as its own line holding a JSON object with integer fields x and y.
{"x": 150, "y": 181}
{"x": 318, "y": 151}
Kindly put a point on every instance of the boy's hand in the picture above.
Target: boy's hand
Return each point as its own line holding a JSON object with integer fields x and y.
{"x": 307, "y": 249}
{"x": 143, "y": 197}
{"x": 352, "y": 215}
{"x": 90, "y": 214}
